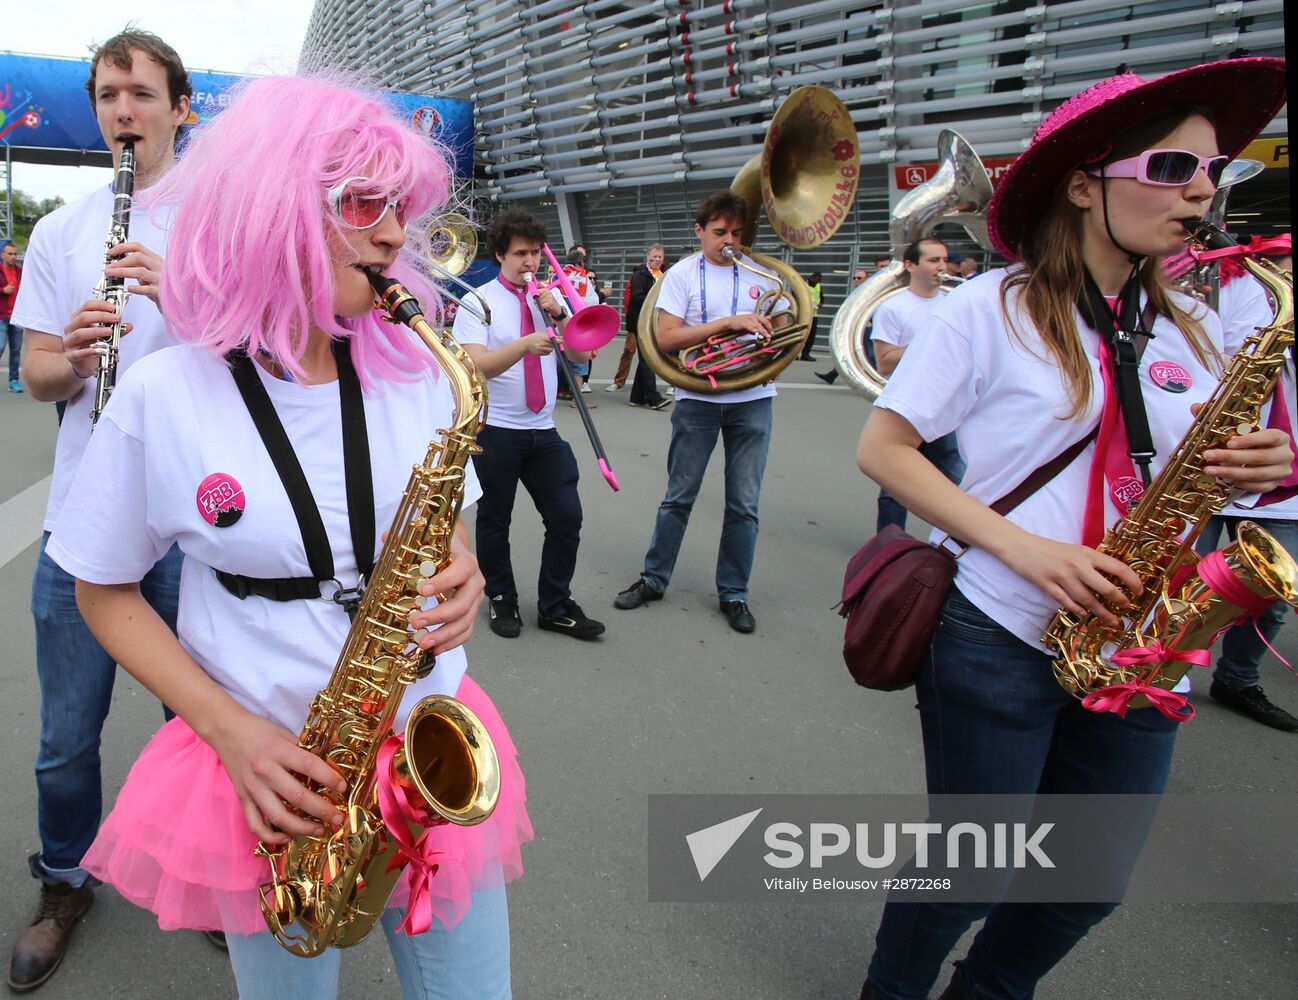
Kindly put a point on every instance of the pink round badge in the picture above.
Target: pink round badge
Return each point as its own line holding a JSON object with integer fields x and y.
{"x": 1126, "y": 493}
{"x": 220, "y": 499}
{"x": 754, "y": 292}
{"x": 1170, "y": 376}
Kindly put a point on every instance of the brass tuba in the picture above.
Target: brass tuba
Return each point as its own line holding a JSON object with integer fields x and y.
{"x": 958, "y": 193}
{"x": 806, "y": 178}
{"x": 452, "y": 245}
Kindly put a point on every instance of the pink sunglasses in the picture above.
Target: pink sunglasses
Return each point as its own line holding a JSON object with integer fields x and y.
{"x": 1165, "y": 167}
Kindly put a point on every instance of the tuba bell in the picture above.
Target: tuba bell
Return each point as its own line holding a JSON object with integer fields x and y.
{"x": 958, "y": 193}
{"x": 806, "y": 178}
{"x": 452, "y": 245}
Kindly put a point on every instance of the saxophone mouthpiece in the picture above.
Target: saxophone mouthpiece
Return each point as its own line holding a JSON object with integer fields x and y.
{"x": 1204, "y": 232}
{"x": 380, "y": 281}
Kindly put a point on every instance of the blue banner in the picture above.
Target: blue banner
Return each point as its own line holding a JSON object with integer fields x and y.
{"x": 43, "y": 105}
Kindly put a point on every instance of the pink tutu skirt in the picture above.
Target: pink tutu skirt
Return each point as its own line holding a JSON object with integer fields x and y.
{"x": 177, "y": 843}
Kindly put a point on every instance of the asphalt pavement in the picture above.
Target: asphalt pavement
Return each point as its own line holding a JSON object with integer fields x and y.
{"x": 669, "y": 700}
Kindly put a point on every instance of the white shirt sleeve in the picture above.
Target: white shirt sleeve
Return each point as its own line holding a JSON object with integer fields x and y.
{"x": 39, "y": 305}
{"x": 103, "y": 535}
{"x": 937, "y": 381}
{"x": 674, "y": 296}
{"x": 468, "y": 327}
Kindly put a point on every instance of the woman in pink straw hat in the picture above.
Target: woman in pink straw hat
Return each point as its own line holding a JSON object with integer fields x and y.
{"x": 1014, "y": 364}
{"x": 281, "y": 203}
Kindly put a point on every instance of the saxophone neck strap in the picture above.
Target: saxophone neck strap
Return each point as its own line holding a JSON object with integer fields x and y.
{"x": 1127, "y": 329}
{"x": 356, "y": 472}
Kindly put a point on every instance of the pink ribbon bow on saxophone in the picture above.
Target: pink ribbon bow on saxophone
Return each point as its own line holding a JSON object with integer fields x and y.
{"x": 1116, "y": 698}
{"x": 397, "y": 812}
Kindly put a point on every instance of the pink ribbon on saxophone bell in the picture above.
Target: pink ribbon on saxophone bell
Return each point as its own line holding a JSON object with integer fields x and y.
{"x": 397, "y": 810}
{"x": 1215, "y": 572}
{"x": 1116, "y": 698}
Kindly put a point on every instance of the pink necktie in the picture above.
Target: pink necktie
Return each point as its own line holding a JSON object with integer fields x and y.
{"x": 533, "y": 380}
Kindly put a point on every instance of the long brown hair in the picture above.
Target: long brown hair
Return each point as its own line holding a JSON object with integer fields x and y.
{"x": 1053, "y": 271}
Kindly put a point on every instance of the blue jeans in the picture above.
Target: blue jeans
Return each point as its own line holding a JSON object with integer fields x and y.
{"x": 745, "y": 430}
{"x": 544, "y": 463}
{"x": 76, "y": 676}
{"x": 471, "y": 960}
{"x": 1242, "y": 649}
{"x": 13, "y": 336}
{"x": 994, "y": 721}
{"x": 946, "y": 456}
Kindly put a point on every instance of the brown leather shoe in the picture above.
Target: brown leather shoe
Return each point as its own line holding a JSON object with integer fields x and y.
{"x": 41, "y": 946}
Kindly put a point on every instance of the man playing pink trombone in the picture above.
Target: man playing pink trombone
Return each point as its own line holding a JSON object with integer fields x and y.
{"x": 520, "y": 443}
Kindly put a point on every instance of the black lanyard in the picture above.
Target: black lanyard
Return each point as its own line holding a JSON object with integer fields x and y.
{"x": 1127, "y": 330}
{"x": 356, "y": 471}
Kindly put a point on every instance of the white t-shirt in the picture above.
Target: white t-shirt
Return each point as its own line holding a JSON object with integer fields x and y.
{"x": 1242, "y": 307}
{"x": 176, "y": 443}
{"x": 507, "y": 392}
{"x": 64, "y": 262}
{"x": 1245, "y": 306}
{"x": 901, "y": 315}
{"x": 1007, "y": 403}
{"x": 681, "y": 297}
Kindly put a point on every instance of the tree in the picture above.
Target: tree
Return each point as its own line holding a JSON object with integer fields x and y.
{"x": 26, "y": 210}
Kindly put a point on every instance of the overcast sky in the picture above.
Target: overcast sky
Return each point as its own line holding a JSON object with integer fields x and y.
{"x": 232, "y": 36}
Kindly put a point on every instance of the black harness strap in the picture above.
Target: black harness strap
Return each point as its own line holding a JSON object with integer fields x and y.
{"x": 357, "y": 473}
{"x": 1128, "y": 330}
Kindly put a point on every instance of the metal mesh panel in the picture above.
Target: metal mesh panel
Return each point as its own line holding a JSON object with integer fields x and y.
{"x": 638, "y": 109}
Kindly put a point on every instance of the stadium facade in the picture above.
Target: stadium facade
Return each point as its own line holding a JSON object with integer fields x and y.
{"x": 611, "y": 119}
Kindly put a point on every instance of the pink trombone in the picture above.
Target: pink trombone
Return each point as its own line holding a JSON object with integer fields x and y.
{"x": 589, "y": 329}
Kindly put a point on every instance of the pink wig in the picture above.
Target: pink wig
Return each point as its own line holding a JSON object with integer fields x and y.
{"x": 248, "y": 261}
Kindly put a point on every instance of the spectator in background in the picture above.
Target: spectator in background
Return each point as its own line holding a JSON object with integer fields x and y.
{"x": 11, "y": 276}
{"x": 813, "y": 283}
{"x": 954, "y": 262}
{"x": 580, "y": 279}
{"x": 968, "y": 268}
{"x": 858, "y": 277}
{"x": 644, "y": 388}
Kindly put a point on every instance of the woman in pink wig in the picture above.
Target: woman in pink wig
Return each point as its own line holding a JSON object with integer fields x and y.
{"x": 1014, "y": 363}
{"x": 280, "y": 203}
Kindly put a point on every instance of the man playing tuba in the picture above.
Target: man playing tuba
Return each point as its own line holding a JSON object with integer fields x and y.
{"x": 705, "y": 295}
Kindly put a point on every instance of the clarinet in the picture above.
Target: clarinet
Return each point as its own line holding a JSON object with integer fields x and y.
{"x": 113, "y": 290}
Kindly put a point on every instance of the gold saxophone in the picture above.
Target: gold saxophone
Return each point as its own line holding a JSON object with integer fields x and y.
{"x": 1177, "y": 609}
{"x": 328, "y": 891}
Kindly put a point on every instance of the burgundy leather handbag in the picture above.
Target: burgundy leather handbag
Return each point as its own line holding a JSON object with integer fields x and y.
{"x": 895, "y": 586}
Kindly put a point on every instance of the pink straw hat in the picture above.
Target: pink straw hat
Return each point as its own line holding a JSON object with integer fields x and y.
{"x": 1241, "y": 95}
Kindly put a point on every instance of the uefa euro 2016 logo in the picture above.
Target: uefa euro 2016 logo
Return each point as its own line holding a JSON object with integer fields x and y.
{"x": 426, "y": 121}
{"x": 11, "y": 119}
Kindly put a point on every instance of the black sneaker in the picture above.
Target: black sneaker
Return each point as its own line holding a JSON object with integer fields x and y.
{"x": 572, "y": 622}
{"x": 829, "y": 377}
{"x": 635, "y": 595}
{"x": 738, "y": 615}
{"x": 505, "y": 620}
{"x": 1251, "y": 701}
{"x": 661, "y": 404}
